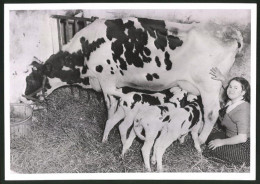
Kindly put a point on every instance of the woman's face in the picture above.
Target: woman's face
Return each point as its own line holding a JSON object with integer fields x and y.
{"x": 234, "y": 90}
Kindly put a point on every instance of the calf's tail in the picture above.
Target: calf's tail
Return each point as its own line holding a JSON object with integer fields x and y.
{"x": 138, "y": 129}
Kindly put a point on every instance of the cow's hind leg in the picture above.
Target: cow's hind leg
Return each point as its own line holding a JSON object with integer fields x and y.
{"x": 211, "y": 108}
{"x": 195, "y": 137}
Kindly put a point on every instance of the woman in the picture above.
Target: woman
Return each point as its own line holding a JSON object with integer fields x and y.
{"x": 232, "y": 146}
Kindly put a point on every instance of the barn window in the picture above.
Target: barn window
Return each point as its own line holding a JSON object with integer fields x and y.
{"x": 69, "y": 26}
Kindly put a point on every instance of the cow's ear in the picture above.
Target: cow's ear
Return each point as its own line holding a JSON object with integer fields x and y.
{"x": 37, "y": 60}
{"x": 36, "y": 65}
{"x": 47, "y": 68}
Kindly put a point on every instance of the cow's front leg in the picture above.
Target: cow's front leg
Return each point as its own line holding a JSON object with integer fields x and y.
{"x": 115, "y": 118}
{"x": 211, "y": 108}
{"x": 111, "y": 103}
{"x": 112, "y": 96}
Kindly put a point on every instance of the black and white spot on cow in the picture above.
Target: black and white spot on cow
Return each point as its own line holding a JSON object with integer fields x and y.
{"x": 99, "y": 68}
{"x": 125, "y": 104}
{"x": 167, "y": 61}
{"x": 150, "y": 77}
{"x": 157, "y": 60}
{"x": 155, "y": 75}
{"x": 88, "y": 48}
{"x": 163, "y": 109}
{"x": 129, "y": 46}
{"x": 167, "y": 118}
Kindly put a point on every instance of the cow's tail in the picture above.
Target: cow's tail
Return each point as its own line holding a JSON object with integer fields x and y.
{"x": 239, "y": 39}
{"x": 232, "y": 33}
{"x": 138, "y": 129}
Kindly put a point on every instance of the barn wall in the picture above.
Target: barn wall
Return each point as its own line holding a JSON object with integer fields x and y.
{"x": 32, "y": 33}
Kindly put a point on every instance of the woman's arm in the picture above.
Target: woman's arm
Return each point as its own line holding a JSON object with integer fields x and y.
{"x": 240, "y": 138}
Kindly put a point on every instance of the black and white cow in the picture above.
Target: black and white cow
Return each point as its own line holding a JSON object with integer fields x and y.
{"x": 146, "y": 54}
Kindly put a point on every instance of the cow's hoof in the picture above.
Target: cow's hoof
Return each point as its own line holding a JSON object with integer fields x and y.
{"x": 181, "y": 141}
{"x": 202, "y": 140}
{"x": 124, "y": 151}
{"x": 198, "y": 150}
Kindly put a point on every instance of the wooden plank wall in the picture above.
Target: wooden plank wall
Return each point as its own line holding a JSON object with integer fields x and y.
{"x": 69, "y": 26}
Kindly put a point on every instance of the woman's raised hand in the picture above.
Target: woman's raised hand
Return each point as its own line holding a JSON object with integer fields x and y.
{"x": 216, "y": 74}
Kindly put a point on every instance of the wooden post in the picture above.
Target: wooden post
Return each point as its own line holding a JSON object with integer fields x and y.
{"x": 66, "y": 29}
{"x": 59, "y": 34}
{"x": 67, "y": 36}
{"x": 76, "y": 26}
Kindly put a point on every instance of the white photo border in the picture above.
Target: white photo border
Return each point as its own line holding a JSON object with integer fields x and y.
{"x": 131, "y": 176}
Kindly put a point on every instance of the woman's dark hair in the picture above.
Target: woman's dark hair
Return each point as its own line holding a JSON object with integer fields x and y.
{"x": 245, "y": 87}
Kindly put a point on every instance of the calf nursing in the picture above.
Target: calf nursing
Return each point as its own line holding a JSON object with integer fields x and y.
{"x": 173, "y": 123}
{"x": 128, "y": 107}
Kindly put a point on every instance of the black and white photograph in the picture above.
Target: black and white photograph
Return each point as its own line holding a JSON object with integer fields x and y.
{"x": 130, "y": 91}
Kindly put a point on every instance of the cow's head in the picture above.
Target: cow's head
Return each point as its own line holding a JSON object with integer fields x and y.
{"x": 59, "y": 70}
{"x": 36, "y": 81}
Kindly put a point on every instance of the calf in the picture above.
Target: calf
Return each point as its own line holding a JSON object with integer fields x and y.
{"x": 130, "y": 104}
{"x": 173, "y": 123}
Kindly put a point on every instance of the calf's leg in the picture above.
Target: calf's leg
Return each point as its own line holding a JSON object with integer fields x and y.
{"x": 146, "y": 149}
{"x": 158, "y": 142}
{"x": 124, "y": 126}
{"x": 128, "y": 142}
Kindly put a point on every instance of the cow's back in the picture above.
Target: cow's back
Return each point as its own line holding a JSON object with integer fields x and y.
{"x": 152, "y": 55}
